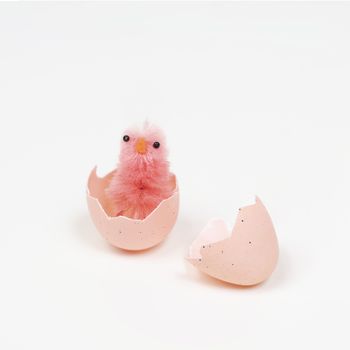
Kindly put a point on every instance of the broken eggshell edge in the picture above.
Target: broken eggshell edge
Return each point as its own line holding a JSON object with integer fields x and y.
{"x": 124, "y": 232}
{"x": 247, "y": 256}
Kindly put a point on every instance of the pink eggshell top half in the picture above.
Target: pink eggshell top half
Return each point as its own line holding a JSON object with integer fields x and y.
{"x": 124, "y": 232}
{"x": 247, "y": 256}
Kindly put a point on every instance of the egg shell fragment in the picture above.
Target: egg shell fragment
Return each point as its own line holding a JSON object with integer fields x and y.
{"x": 124, "y": 232}
{"x": 246, "y": 257}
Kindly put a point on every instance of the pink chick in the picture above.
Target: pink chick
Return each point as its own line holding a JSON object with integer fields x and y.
{"x": 142, "y": 179}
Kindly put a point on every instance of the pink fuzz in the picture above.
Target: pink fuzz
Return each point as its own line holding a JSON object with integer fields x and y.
{"x": 142, "y": 181}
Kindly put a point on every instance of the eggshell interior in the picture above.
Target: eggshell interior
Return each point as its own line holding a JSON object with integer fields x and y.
{"x": 123, "y": 232}
{"x": 247, "y": 256}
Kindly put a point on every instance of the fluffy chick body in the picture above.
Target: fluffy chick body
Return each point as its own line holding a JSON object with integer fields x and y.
{"x": 142, "y": 179}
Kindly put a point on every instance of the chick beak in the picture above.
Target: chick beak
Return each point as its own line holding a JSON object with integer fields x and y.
{"x": 141, "y": 146}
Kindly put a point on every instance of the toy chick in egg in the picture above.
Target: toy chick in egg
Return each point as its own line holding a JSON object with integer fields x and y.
{"x": 143, "y": 179}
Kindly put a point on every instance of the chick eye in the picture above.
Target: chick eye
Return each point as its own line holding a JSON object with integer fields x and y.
{"x": 126, "y": 138}
{"x": 156, "y": 144}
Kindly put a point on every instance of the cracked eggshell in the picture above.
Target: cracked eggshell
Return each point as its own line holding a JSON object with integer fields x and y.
{"x": 124, "y": 232}
{"x": 247, "y": 256}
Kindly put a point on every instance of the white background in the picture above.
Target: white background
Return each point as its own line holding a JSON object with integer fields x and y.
{"x": 254, "y": 98}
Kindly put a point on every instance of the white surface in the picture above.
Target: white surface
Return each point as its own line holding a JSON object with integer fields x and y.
{"x": 253, "y": 98}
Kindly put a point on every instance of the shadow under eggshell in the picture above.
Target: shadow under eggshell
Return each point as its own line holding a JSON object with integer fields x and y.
{"x": 124, "y": 232}
{"x": 247, "y": 256}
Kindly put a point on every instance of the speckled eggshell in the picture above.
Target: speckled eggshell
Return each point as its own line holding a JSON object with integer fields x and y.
{"x": 247, "y": 256}
{"x": 126, "y": 233}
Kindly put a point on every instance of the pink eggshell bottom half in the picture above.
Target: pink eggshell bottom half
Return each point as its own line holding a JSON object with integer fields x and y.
{"x": 247, "y": 256}
{"x": 124, "y": 232}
